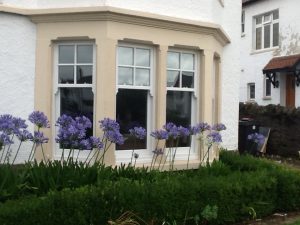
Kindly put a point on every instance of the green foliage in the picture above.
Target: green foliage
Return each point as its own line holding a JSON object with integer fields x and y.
{"x": 231, "y": 190}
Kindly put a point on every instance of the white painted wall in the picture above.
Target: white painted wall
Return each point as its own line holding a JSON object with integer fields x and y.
{"x": 17, "y": 66}
{"x": 202, "y": 10}
{"x": 253, "y": 62}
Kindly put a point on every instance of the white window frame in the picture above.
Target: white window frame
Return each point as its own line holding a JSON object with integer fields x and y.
{"x": 265, "y": 88}
{"x": 182, "y": 152}
{"x": 145, "y": 155}
{"x": 249, "y": 91}
{"x": 57, "y": 152}
{"x": 263, "y": 23}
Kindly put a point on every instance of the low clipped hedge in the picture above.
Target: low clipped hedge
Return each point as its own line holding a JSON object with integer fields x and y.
{"x": 238, "y": 186}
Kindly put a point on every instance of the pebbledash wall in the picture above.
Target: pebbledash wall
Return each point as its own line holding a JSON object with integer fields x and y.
{"x": 24, "y": 62}
{"x": 253, "y": 61}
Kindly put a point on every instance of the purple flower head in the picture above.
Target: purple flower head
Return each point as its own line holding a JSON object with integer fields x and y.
{"x": 214, "y": 137}
{"x": 39, "y": 119}
{"x": 24, "y": 135}
{"x": 138, "y": 132}
{"x": 6, "y": 123}
{"x": 64, "y": 121}
{"x": 39, "y": 138}
{"x": 19, "y": 124}
{"x": 219, "y": 127}
{"x": 199, "y": 128}
{"x": 96, "y": 143}
{"x": 257, "y": 138}
{"x": 183, "y": 131}
{"x": 114, "y": 136}
{"x": 108, "y": 124}
{"x": 160, "y": 134}
{"x": 136, "y": 155}
{"x": 5, "y": 140}
{"x": 85, "y": 144}
{"x": 169, "y": 126}
{"x": 83, "y": 122}
{"x": 174, "y": 132}
{"x": 158, "y": 151}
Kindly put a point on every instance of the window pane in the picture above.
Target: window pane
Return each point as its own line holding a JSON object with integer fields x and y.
{"x": 84, "y": 54}
{"x": 125, "y": 76}
{"x": 173, "y": 79}
{"x": 276, "y": 34}
{"x": 258, "y": 20}
{"x": 267, "y": 36}
{"x": 66, "y": 74}
{"x": 84, "y": 74}
{"x": 142, "y": 57}
{"x": 179, "y": 110}
{"x": 131, "y": 112}
{"x": 77, "y": 102}
{"x": 187, "y": 62}
{"x": 173, "y": 60}
{"x": 276, "y": 15}
{"x": 267, "y": 18}
{"x": 187, "y": 79}
{"x": 66, "y": 54}
{"x": 252, "y": 91}
{"x": 142, "y": 77}
{"x": 258, "y": 38}
{"x": 268, "y": 87}
{"x": 125, "y": 56}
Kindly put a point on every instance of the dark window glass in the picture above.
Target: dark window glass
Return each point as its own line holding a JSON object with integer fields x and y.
{"x": 131, "y": 112}
{"x": 187, "y": 79}
{"x": 66, "y": 54}
{"x": 276, "y": 34}
{"x": 258, "y": 38}
{"x": 77, "y": 102}
{"x": 252, "y": 91}
{"x": 66, "y": 74}
{"x": 179, "y": 110}
{"x": 84, "y": 74}
{"x": 275, "y": 15}
{"x": 267, "y": 36}
{"x": 268, "y": 87}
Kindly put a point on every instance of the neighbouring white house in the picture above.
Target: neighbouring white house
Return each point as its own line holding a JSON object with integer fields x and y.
{"x": 143, "y": 62}
{"x": 270, "y": 52}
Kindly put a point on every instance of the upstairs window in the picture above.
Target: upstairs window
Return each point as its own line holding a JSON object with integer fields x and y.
{"x": 266, "y": 30}
{"x": 251, "y": 91}
{"x": 243, "y": 22}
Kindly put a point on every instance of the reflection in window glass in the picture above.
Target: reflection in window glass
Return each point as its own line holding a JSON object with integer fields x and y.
{"x": 276, "y": 34}
{"x": 125, "y": 76}
{"x": 267, "y": 35}
{"x": 66, "y": 54}
{"x": 173, "y": 78}
{"x": 142, "y": 77}
{"x": 131, "y": 112}
{"x": 258, "y": 20}
{"x": 84, "y": 54}
{"x": 275, "y": 15}
{"x": 179, "y": 105}
{"x": 84, "y": 74}
{"x": 173, "y": 60}
{"x": 187, "y": 79}
{"x": 258, "y": 38}
{"x": 66, "y": 74}
{"x": 142, "y": 57}
{"x": 125, "y": 56}
{"x": 268, "y": 87}
{"x": 187, "y": 61}
{"x": 77, "y": 102}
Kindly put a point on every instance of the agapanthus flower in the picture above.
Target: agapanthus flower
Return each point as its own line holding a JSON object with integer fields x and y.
{"x": 257, "y": 138}
{"x": 39, "y": 138}
{"x": 85, "y": 144}
{"x": 200, "y": 128}
{"x": 219, "y": 127}
{"x": 64, "y": 120}
{"x": 214, "y": 137}
{"x": 114, "y": 136}
{"x": 158, "y": 151}
{"x": 138, "y": 132}
{"x": 83, "y": 122}
{"x": 108, "y": 124}
{"x": 6, "y": 123}
{"x": 24, "y": 135}
{"x": 173, "y": 132}
{"x": 19, "y": 123}
{"x": 160, "y": 134}
{"x": 96, "y": 143}
{"x": 168, "y": 126}
{"x": 183, "y": 131}
{"x": 39, "y": 119}
{"x": 5, "y": 140}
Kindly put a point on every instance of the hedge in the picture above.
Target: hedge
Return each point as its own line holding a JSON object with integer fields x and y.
{"x": 238, "y": 186}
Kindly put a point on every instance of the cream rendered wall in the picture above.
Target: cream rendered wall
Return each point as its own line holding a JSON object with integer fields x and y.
{"x": 253, "y": 62}
{"x": 17, "y": 66}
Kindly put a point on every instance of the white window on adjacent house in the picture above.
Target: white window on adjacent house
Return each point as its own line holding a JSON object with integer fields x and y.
{"x": 251, "y": 91}
{"x": 135, "y": 78}
{"x": 267, "y": 87}
{"x": 181, "y": 92}
{"x": 266, "y": 30}
{"x": 74, "y": 80}
{"x": 243, "y": 22}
